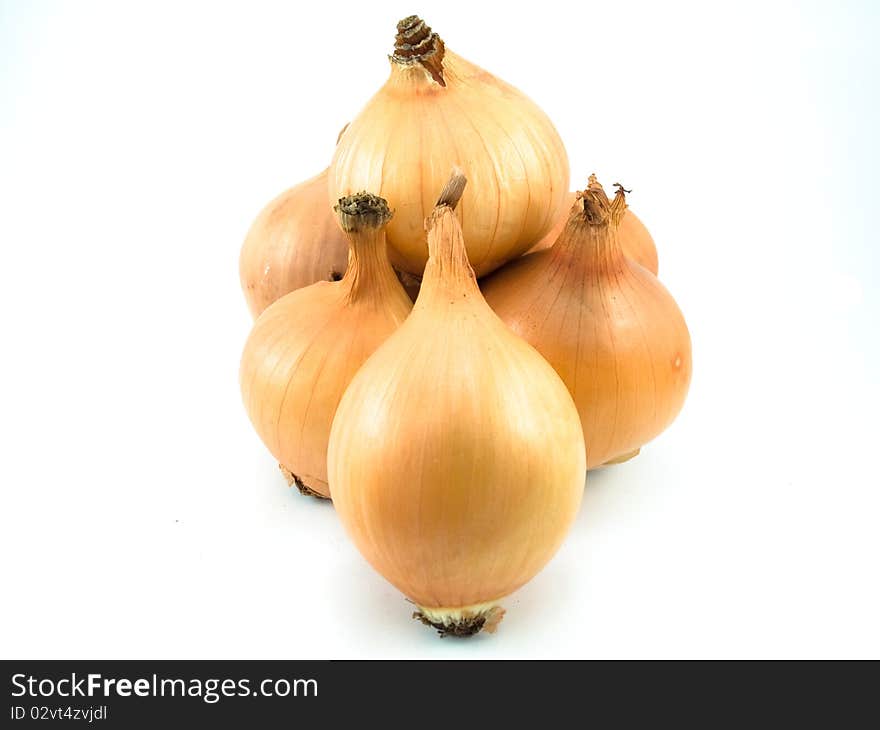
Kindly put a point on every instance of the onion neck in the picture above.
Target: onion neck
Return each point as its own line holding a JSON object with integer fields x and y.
{"x": 369, "y": 274}
{"x": 590, "y": 245}
{"x": 448, "y": 274}
{"x": 417, "y": 46}
{"x": 590, "y": 236}
{"x": 449, "y": 277}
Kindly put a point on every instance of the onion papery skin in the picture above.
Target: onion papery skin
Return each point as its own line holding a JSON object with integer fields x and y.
{"x": 456, "y": 455}
{"x": 409, "y": 135}
{"x": 635, "y": 239}
{"x": 295, "y": 241}
{"x": 305, "y": 348}
{"x": 608, "y": 327}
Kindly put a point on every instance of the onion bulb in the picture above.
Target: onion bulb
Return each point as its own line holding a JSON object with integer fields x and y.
{"x": 294, "y": 242}
{"x": 305, "y": 348}
{"x": 606, "y": 324}
{"x": 456, "y": 455}
{"x": 436, "y": 111}
{"x": 635, "y": 240}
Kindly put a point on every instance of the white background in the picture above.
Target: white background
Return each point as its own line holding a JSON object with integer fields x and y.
{"x": 141, "y": 517}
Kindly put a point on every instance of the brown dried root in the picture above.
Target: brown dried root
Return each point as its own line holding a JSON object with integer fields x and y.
{"x": 461, "y": 623}
{"x": 294, "y": 481}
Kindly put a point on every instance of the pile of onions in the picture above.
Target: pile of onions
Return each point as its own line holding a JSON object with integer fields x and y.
{"x": 456, "y": 455}
{"x": 305, "y": 348}
{"x": 606, "y": 324}
{"x": 454, "y": 435}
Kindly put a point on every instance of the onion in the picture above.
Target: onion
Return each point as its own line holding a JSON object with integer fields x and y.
{"x": 456, "y": 456}
{"x": 305, "y": 348}
{"x": 294, "y": 242}
{"x": 435, "y": 111}
{"x": 606, "y": 324}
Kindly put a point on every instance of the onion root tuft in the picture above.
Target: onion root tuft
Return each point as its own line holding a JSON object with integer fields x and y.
{"x": 461, "y": 622}
{"x": 294, "y": 481}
